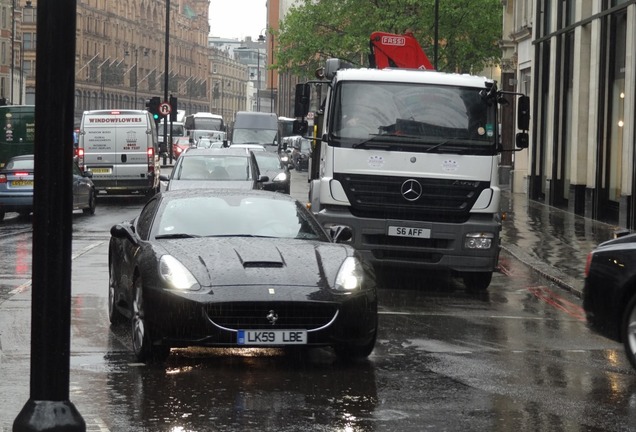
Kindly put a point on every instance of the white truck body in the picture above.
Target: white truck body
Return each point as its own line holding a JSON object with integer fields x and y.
{"x": 408, "y": 160}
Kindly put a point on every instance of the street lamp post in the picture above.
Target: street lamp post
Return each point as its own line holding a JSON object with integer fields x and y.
{"x": 136, "y": 68}
{"x": 271, "y": 74}
{"x": 261, "y": 39}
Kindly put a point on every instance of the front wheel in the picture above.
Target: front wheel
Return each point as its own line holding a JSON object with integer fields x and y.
{"x": 477, "y": 281}
{"x": 115, "y": 317}
{"x": 629, "y": 331}
{"x": 92, "y": 204}
{"x": 143, "y": 347}
{"x": 353, "y": 352}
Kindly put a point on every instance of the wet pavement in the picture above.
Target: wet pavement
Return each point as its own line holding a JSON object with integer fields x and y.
{"x": 552, "y": 241}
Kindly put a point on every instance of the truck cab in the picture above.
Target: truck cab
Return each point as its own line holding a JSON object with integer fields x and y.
{"x": 407, "y": 159}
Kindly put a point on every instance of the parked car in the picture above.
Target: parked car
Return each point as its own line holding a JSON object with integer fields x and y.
{"x": 609, "y": 293}
{"x": 215, "y": 168}
{"x": 179, "y": 145}
{"x": 16, "y": 187}
{"x": 273, "y": 167}
{"x": 301, "y": 152}
{"x": 222, "y": 268}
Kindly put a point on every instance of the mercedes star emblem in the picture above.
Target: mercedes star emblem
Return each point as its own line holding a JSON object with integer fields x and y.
{"x": 411, "y": 190}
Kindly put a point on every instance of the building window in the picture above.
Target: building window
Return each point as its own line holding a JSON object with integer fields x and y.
{"x": 28, "y": 41}
{"x": 29, "y": 15}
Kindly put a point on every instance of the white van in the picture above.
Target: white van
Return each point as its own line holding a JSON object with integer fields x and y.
{"x": 119, "y": 148}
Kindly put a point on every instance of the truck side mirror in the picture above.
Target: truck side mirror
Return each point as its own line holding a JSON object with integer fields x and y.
{"x": 301, "y": 101}
{"x": 523, "y": 113}
{"x": 300, "y": 127}
{"x": 522, "y": 140}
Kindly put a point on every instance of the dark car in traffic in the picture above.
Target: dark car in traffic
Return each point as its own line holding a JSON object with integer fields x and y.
{"x": 609, "y": 293}
{"x": 17, "y": 181}
{"x": 241, "y": 269}
{"x": 271, "y": 165}
{"x": 215, "y": 168}
{"x": 301, "y": 152}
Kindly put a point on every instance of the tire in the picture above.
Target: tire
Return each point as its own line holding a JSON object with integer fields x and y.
{"x": 92, "y": 204}
{"x": 348, "y": 352}
{"x": 114, "y": 315}
{"x": 152, "y": 192}
{"x": 477, "y": 281}
{"x": 628, "y": 331}
{"x": 143, "y": 347}
{"x": 1, "y": 215}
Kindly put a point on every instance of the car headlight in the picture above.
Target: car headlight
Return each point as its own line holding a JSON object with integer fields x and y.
{"x": 281, "y": 177}
{"x": 176, "y": 275}
{"x": 350, "y": 275}
{"x": 284, "y": 158}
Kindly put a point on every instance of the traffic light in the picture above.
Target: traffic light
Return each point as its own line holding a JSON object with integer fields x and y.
{"x": 152, "y": 105}
{"x": 173, "y": 108}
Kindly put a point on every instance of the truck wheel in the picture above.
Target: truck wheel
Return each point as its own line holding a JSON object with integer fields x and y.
{"x": 629, "y": 331}
{"x": 477, "y": 281}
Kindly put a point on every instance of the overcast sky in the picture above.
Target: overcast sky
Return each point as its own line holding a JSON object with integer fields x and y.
{"x": 237, "y": 18}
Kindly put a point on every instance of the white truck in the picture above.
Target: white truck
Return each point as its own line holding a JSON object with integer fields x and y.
{"x": 408, "y": 160}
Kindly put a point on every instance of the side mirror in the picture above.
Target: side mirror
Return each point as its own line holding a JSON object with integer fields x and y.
{"x": 523, "y": 113}
{"x": 124, "y": 231}
{"x": 340, "y": 233}
{"x": 522, "y": 140}
{"x": 300, "y": 127}
{"x": 301, "y": 100}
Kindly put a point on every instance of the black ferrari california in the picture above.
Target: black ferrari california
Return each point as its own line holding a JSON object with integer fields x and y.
{"x": 238, "y": 268}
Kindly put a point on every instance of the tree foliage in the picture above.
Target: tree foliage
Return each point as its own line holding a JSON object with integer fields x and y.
{"x": 469, "y": 32}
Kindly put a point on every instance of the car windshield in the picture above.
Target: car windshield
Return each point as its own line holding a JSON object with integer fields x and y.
{"x": 267, "y": 162}
{"x": 213, "y": 167}
{"x": 235, "y": 216}
{"x": 413, "y": 117}
{"x": 254, "y": 136}
{"x": 20, "y": 164}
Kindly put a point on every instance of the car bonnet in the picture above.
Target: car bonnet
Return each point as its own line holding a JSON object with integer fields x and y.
{"x": 223, "y": 261}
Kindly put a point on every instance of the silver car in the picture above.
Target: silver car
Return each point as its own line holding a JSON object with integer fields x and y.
{"x": 216, "y": 168}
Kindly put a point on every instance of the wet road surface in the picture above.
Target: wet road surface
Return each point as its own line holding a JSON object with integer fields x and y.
{"x": 517, "y": 357}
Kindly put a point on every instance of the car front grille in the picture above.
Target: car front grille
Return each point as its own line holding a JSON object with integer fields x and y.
{"x": 290, "y": 315}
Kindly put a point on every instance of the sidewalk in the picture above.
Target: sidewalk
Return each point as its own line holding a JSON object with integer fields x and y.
{"x": 553, "y": 242}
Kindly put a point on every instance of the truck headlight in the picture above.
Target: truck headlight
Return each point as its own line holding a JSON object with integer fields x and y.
{"x": 478, "y": 240}
{"x": 350, "y": 275}
{"x": 176, "y": 275}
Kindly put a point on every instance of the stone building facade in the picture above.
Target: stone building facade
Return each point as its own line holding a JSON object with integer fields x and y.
{"x": 120, "y": 54}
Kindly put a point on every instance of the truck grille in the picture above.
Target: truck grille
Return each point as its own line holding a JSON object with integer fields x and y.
{"x": 380, "y": 197}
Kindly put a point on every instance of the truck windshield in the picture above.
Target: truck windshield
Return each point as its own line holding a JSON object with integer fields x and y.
{"x": 413, "y": 117}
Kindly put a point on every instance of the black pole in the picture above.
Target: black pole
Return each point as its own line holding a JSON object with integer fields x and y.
{"x": 49, "y": 408}
{"x": 166, "y": 79}
{"x": 436, "y": 42}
